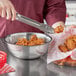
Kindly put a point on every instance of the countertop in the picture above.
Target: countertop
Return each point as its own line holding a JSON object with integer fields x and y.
{"x": 36, "y": 67}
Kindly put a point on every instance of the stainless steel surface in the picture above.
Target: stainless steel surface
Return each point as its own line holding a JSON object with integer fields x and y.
{"x": 36, "y": 67}
{"x": 27, "y": 52}
{"x": 43, "y": 27}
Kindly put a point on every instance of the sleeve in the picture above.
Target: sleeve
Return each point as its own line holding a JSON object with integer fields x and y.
{"x": 54, "y": 11}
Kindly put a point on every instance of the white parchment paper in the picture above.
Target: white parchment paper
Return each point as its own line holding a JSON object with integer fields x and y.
{"x": 54, "y": 53}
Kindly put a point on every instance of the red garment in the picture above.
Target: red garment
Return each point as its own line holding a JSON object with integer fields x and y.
{"x": 51, "y": 10}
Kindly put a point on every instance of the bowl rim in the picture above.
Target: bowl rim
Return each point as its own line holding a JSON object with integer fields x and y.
{"x": 32, "y": 33}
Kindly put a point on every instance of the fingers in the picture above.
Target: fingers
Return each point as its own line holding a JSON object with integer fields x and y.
{"x": 3, "y": 13}
{"x": 13, "y": 14}
{"x": 13, "y": 11}
{"x": 2, "y": 10}
{"x": 7, "y": 10}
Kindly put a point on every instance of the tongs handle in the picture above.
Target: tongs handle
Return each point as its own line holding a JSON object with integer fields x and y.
{"x": 43, "y": 27}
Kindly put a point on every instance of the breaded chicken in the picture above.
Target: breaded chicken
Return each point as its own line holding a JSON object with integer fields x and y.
{"x": 59, "y": 29}
{"x": 63, "y": 48}
{"x": 34, "y": 40}
{"x": 70, "y": 42}
{"x": 33, "y": 37}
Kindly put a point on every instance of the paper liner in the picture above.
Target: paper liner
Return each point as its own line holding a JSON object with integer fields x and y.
{"x": 6, "y": 68}
{"x": 54, "y": 53}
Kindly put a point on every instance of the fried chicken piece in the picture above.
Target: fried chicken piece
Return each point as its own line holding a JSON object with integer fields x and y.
{"x": 33, "y": 41}
{"x": 70, "y": 62}
{"x": 59, "y": 29}
{"x": 70, "y": 43}
{"x": 33, "y": 37}
{"x": 63, "y": 48}
{"x": 67, "y": 61}
{"x": 40, "y": 41}
{"x": 60, "y": 62}
{"x": 22, "y": 41}
{"x": 74, "y": 38}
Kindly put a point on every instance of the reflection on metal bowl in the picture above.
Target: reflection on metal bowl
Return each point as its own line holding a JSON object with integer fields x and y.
{"x": 27, "y": 52}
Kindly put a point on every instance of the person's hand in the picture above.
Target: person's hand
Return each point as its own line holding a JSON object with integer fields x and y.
{"x": 7, "y": 10}
{"x": 58, "y": 27}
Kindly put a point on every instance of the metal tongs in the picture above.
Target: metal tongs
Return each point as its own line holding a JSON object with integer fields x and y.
{"x": 43, "y": 27}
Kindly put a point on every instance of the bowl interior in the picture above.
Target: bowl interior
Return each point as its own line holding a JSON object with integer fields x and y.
{"x": 12, "y": 39}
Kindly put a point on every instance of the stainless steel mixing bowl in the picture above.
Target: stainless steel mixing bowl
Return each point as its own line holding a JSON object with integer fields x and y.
{"x": 27, "y": 52}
